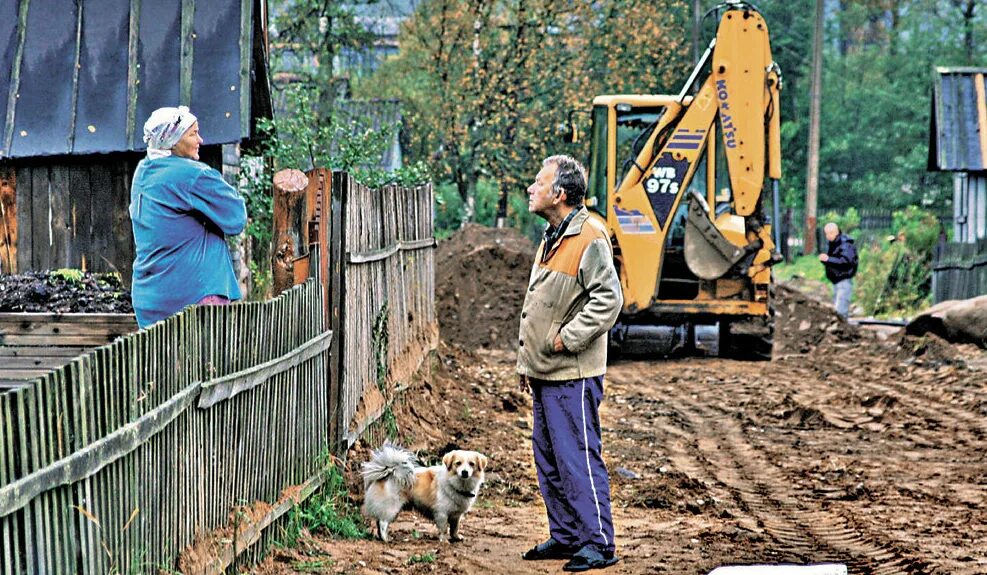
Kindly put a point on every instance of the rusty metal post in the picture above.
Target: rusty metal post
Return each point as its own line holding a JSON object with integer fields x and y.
{"x": 290, "y": 227}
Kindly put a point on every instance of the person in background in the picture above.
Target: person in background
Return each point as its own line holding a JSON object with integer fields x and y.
{"x": 181, "y": 210}
{"x": 572, "y": 301}
{"x": 841, "y": 262}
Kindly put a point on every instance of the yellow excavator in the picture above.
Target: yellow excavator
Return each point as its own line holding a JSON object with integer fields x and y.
{"x": 679, "y": 182}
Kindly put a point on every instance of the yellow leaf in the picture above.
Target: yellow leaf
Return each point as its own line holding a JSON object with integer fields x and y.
{"x": 133, "y": 516}
{"x": 88, "y": 515}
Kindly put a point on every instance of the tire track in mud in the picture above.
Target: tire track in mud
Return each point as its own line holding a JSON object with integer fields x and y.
{"x": 758, "y": 487}
{"x": 968, "y": 426}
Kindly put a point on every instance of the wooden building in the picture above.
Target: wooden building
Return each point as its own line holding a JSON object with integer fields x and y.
{"x": 958, "y": 144}
{"x": 77, "y": 82}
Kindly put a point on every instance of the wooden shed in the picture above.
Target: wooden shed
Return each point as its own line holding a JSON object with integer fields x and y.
{"x": 77, "y": 82}
{"x": 958, "y": 144}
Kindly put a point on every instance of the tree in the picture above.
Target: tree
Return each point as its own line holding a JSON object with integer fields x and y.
{"x": 486, "y": 83}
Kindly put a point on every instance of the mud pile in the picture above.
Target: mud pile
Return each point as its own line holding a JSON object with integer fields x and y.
{"x": 64, "y": 291}
{"x": 803, "y": 324}
{"x": 480, "y": 280}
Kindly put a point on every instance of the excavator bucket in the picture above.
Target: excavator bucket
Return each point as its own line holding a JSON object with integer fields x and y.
{"x": 708, "y": 254}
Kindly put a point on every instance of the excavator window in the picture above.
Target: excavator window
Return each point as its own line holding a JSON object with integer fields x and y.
{"x": 596, "y": 192}
{"x": 634, "y": 126}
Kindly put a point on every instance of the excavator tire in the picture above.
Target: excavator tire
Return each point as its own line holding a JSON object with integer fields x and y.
{"x": 749, "y": 347}
{"x": 750, "y": 340}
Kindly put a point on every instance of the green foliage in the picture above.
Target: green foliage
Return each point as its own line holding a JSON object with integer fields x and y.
{"x": 449, "y": 209}
{"x": 920, "y": 228}
{"x": 308, "y": 34}
{"x": 327, "y": 510}
{"x": 484, "y": 84}
{"x": 422, "y": 558}
{"x": 304, "y": 138}
{"x": 312, "y": 565}
{"x": 848, "y": 221}
{"x": 895, "y": 277}
{"x": 69, "y": 275}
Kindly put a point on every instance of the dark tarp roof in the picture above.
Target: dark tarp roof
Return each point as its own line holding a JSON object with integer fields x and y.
{"x": 81, "y": 77}
{"x": 958, "y": 135}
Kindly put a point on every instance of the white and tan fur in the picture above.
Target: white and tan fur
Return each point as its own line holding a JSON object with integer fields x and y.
{"x": 443, "y": 493}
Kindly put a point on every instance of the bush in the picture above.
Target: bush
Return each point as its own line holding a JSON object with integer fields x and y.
{"x": 327, "y": 510}
{"x": 895, "y": 276}
{"x": 303, "y": 138}
{"x": 449, "y": 209}
{"x": 849, "y": 221}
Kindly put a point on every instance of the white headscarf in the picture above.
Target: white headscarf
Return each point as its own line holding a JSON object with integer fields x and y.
{"x": 164, "y": 128}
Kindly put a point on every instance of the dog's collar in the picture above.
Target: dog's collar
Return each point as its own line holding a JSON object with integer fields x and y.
{"x": 464, "y": 493}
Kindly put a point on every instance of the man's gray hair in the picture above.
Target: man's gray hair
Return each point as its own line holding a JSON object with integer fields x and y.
{"x": 570, "y": 177}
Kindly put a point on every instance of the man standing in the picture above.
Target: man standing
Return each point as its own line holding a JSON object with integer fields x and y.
{"x": 573, "y": 300}
{"x": 841, "y": 265}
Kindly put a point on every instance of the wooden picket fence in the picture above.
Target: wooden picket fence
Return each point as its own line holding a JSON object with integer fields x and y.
{"x": 959, "y": 271}
{"x": 193, "y": 437}
{"x": 386, "y": 239}
{"x": 116, "y": 462}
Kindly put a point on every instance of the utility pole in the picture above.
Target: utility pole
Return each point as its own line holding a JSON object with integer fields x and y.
{"x": 696, "y": 15}
{"x": 812, "y": 173}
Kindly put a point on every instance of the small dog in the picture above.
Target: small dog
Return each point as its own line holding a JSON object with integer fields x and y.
{"x": 443, "y": 493}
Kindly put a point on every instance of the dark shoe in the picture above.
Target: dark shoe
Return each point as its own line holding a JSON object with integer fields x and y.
{"x": 550, "y": 549}
{"x": 588, "y": 558}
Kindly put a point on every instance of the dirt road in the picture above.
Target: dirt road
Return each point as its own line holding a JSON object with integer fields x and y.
{"x": 847, "y": 447}
{"x": 866, "y": 458}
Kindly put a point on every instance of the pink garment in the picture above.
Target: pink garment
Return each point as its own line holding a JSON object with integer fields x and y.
{"x": 214, "y": 300}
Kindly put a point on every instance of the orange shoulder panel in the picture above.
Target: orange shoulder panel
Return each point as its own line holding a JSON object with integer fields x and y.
{"x": 566, "y": 258}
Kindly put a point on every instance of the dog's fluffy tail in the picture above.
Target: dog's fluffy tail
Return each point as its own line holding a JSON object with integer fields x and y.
{"x": 390, "y": 461}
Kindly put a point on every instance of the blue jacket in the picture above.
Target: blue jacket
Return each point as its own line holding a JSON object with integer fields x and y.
{"x": 842, "y": 264}
{"x": 181, "y": 211}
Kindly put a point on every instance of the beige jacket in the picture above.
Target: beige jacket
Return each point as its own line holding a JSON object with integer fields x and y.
{"x": 575, "y": 293}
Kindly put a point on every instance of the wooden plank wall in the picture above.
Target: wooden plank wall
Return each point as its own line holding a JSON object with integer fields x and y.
{"x": 73, "y": 213}
{"x": 32, "y": 344}
{"x": 959, "y": 271}
{"x": 386, "y": 281}
{"x": 110, "y": 465}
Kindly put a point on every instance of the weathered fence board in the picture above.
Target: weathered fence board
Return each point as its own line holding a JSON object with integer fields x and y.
{"x": 73, "y": 213}
{"x": 386, "y": 244}
{"x": 959, "y": 271}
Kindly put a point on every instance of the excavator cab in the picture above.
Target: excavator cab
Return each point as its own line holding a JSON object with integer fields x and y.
{"x": 678, "y": 181}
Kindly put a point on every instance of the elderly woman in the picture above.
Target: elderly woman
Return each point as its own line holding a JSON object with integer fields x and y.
{"x": 181, "y": 211}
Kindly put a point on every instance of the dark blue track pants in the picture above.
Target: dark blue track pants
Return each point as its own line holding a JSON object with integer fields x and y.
{"x": 571, "y": 472}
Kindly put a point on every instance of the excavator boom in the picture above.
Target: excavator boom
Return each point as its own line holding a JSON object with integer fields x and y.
{"x": 685, "y": 210}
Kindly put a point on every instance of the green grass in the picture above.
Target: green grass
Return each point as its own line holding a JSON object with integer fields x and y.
{"x": 806, "y": 267}
{"x": 422, "y": 558}
{"x": 313, "y": 565}
{"x": 328, "y": 510}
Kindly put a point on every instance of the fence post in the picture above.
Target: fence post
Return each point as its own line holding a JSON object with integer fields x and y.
{"x": 290, "y": 227}
{"x": 339, "y": 197}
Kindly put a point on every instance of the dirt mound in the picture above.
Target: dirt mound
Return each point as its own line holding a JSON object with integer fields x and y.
{"x": 480, "y": 280}
{"x": 482, "y": 273}
{"x": 64, "y": 291}
{"x": 958, "y": 321}
{"x": 803, "y": 324}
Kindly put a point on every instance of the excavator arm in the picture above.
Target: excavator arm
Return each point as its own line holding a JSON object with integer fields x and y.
{"x": 739, "y": 100}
